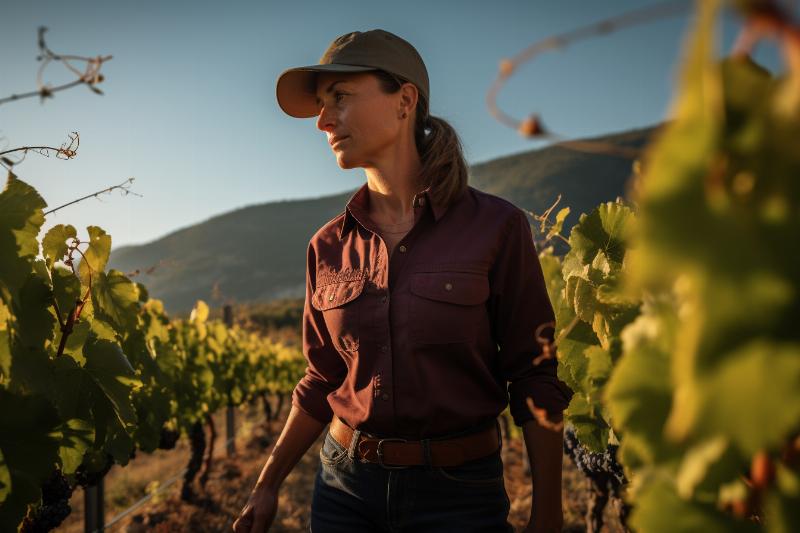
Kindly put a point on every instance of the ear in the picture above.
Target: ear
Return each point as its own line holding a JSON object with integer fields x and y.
{"x": 408, "y": 97}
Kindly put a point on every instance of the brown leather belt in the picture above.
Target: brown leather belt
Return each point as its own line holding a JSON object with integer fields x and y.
{"x": 394, "y": 452}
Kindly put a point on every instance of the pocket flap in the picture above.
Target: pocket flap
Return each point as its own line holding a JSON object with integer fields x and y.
{"x": 336, "y": 294}
{"x": 462, "y": 288}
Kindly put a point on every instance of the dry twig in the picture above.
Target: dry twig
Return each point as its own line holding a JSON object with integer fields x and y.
{"x": 532, "y": 126}
{"x": 124, "y": 187}
{"x": 90, "y": 76}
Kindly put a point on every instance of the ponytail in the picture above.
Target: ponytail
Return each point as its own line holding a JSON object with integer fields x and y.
{"x": 443, "y": 166}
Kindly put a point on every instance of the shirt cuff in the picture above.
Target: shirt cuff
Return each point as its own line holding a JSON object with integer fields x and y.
{"x": 547, "y": 392}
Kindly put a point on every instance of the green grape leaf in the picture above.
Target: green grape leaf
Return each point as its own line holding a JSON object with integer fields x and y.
{"x": 571, "y": 356}
{"x": 606, "y": 229}
{"x": 765, "y": 407}
{"x": 115, "y": 299}
{"x": 659, "y": 509}
{"x": 199, "y": 312}
{"x": 5, "y": 478}
{"x": 71, "y": 392}
{"x": 103, "y": 330}
{"x": 119, "y": 445}
{"x": 558, "y": 225}
{"x": 144, "y": 294}
{"x": 551, "y": 269}
{"x": 599, "y": 367}
{"x": 66, "y": 289}
{"x": 76, "y": 437}
{"x": 707, "y": 467}
{"x": 20, "y": 220}
{"x": 75, "y": 341}
{"x": 113, "y": 374}
{"x": 639, "y": 392}
{"x": 35, "y": 320}
{"x": 585, "y": 301}
{"x": 95, "y": 256}
{"x": 590, "y": 427}
{"x": 5, "y": 342}
{"x": 54, "y": 244}
{"x": 782, "y": 514}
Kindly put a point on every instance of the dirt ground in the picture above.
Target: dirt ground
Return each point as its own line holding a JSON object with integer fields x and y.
{"x": 231, "y": 479}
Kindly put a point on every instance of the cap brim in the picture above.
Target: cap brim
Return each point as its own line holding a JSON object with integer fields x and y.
{"x": 296, "y": 89}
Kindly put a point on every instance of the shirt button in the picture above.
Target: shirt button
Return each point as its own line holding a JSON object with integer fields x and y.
{"x": 384, "y": 396}
{"x": 402, "y": 248}
{"x": 384, "y": 298}
{"x": 384, "y": 348}
{"x": 448, "y": 286}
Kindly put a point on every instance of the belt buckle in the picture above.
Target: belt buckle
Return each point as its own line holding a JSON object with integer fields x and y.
{"x": 379, "y": 451}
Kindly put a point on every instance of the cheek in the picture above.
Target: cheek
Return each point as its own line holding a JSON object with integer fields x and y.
{"x": 372, "y": 126}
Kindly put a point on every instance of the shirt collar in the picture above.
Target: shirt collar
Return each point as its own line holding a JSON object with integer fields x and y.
{"x": 358, "y": 205}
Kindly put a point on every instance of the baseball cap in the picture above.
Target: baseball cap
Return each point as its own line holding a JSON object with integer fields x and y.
{"x": 356, "y": 51}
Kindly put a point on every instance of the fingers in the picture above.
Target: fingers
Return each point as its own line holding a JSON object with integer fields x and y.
{"x": 247, "y": 523}
{"x": 244, "y": 523}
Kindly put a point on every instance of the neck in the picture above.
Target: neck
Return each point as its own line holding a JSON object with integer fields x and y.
{"x": 393, "y": 182}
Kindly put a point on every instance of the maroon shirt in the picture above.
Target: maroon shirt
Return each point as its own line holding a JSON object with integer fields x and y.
{"x": 437, "y": 339}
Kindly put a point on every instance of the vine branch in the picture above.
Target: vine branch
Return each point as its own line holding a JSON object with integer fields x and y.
{"x": 66, "y": 151}
{"x": 532, "y": 125}
{"x": 124, "y": 186}
{"x": 90, "y": 76}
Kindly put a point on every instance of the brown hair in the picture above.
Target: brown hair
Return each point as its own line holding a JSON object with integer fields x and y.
{"x": 438, "y": 144}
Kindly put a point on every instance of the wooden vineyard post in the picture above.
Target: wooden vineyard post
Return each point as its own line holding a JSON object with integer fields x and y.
{"x": 230, "y": 420}
{"x": 93, "y": 510}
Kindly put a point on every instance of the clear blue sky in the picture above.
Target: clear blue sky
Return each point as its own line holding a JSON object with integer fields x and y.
{"x": 190, "y": 108}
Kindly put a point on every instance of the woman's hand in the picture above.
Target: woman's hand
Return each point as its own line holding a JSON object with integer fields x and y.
{"x": 259, "y": 511}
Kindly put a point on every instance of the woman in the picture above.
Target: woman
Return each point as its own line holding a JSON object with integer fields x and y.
{"x": 422, "y": 299}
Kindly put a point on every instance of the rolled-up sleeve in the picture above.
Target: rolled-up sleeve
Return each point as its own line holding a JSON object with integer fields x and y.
{"x": 518, "y": 305}
{"x": 326, "y": 369}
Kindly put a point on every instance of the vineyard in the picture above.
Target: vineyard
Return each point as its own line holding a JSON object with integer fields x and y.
{"x": 94, "y": 370}
{"x": 676, "y": 328}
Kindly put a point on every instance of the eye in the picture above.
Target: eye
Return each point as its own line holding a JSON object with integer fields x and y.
{"x": 337, "y": 95}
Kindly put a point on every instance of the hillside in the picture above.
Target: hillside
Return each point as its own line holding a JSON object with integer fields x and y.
{"x": 258, "y": 252}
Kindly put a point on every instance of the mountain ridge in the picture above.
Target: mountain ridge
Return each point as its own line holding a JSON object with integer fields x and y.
{"x": 257, "y": 252}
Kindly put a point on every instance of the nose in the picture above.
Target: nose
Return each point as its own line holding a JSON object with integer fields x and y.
{"x": 325, "y": 119}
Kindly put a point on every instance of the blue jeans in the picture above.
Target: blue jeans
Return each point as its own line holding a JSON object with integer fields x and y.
{"x": 351, "y": 496}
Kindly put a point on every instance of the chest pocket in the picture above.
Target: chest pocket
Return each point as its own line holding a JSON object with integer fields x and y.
{"x": 338, "y": 301}
{"x": 447, "y": 306}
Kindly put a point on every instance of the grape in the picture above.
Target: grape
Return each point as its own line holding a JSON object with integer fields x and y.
{"x": 600, "y": 467}
{"x": 53, "y": 508}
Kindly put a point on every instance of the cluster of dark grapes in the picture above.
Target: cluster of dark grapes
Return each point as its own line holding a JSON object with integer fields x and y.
{"x": 594, "y": 465}
{"x": 87, "y": 479}
{"x": 168, "y": 439}
{"x": 53, "y": 509}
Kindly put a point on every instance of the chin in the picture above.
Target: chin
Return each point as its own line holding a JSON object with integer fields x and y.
{"x": 346, "y": 162}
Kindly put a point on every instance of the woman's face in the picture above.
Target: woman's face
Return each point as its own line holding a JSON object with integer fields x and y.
{"x": 353, "y": 107}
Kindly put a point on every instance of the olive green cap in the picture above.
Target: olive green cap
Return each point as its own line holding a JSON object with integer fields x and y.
{"x": 352, "y": 52}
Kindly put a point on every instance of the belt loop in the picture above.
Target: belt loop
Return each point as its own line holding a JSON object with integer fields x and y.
{"x": 351, "y": 451}
{"x": 426, "y": 450}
